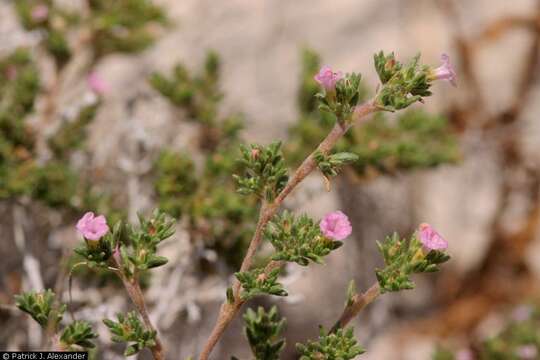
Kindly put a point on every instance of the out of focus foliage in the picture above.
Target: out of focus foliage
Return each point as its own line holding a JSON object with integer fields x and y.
{"x": 197, "y": 93}
{"x": 53, "y": 22}
{"x": 20, "y": 173}
{"x": 19, "y": 86}
{"x": 100, "y": 26}
{"x": 415, "y": 139}
{"x": 54, "y": 181}
{"x": 107, "y": 26}
{"x": 72, "y": 132}
{"x": 123, "y": 25}
{"x": 519, "y": 339}
{"x": 202, "y": 191}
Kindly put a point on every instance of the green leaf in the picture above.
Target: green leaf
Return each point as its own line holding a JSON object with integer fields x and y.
{"x": 298, "y": 239}
{"x": 41, "y": 307}
{"x": 262, "y": 330}
{"x": 255, "y": 282}
{"x": 340, "y": 345}
{"x": 130, "y": 329}
{"x": 78, "y": 333}
{"x": 266, "y": 174}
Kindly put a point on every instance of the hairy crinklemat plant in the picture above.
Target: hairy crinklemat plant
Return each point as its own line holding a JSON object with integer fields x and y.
{"x": 263, "y": 182}
{"x": 342, "y": 106}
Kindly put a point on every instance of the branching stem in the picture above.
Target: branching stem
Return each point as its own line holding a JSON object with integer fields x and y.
{"x": 229, "y": 310}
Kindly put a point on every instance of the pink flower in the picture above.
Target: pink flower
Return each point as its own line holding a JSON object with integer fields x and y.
{"x": 527, "y": 352}
{"x": 97, "y": 84}
{"x": 336, "y": 225}
{"x": 445, "y": 71}
{"x": 327, "y": 78}
{"x": 92, "y": 227}
{"x": 39, "y": 12}
{"x": 431, "y": 239}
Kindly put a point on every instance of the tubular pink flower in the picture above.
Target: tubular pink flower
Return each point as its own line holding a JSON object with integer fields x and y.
{"x": 336, "y": 225}
{"x": 431, "y": 239}
{"x": 445, "y": 71}
{"x": 327, "y": 78}
{"x": 92, "y": 227}
{"x": 97, "y": 84}
{"x": 39, "y": 12}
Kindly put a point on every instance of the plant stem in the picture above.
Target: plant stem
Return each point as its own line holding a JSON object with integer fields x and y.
{"x": 359, "y": 301}
{"x": 228, "y": 311}
{"x": 135, "y": 294}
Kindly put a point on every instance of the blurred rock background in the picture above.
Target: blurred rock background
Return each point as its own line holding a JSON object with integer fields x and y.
{"x": 482, "y": 201}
